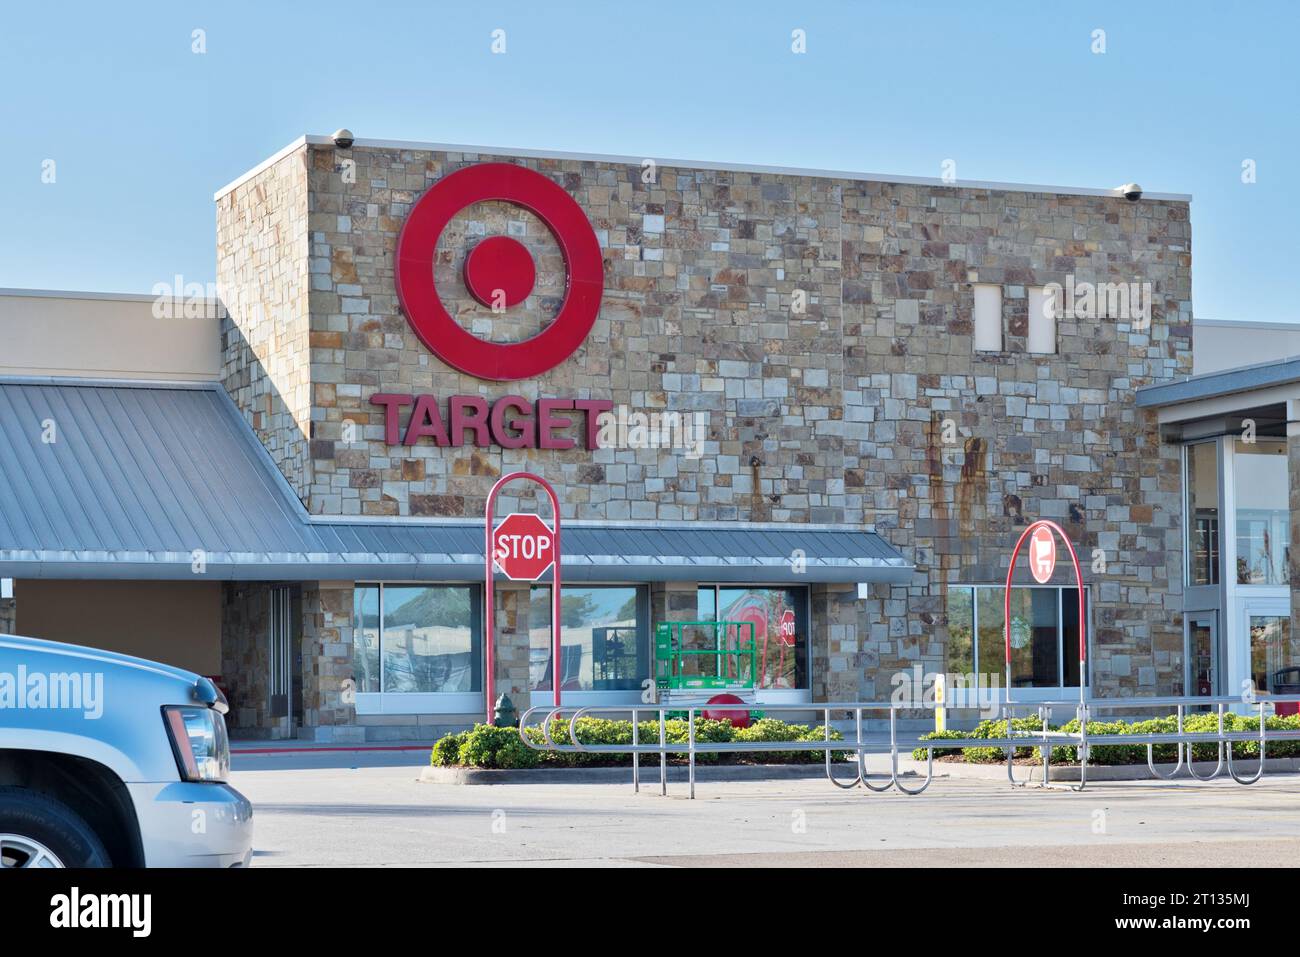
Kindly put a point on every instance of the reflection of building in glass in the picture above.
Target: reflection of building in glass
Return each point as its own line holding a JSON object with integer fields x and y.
{"x": 603, "y": 643}
{"x": 1272, "y": 649}
{"x": 427, "y": 641}
{"x": 1263, "y": 512}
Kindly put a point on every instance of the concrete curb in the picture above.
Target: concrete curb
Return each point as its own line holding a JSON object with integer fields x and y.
{"x": 677, "y": 774}
{"x": 1113, "y": 772}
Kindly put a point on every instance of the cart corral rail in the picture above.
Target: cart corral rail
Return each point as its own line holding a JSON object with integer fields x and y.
{"x": 1043, "y": 739}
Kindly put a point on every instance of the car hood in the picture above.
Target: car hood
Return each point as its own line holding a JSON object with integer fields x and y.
{"x": 42, "y": 646}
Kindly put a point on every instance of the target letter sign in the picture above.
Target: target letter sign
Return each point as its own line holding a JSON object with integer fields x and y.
{"x": 523, "y": 547}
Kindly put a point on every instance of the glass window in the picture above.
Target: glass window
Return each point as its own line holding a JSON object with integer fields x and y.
{"x": 961, "y": 631}
{"x": 1042, "y": 320}
{"x": 1260, "y": 489}
{"x": 1070, "y": 634}
{"x": 782, "y": 659}
{"x": 988, "y": 318}
{"x": 1271, "y": 650}
{"x": 604, "y": 645}
{"x": 1035, "y": 638}
{"x": 1044, "y": 635}
{"x": 990, "y": 642}
{"x": 365, "y": 637}
{"x": 416, "y": 638}
{"x": 1202, "y": 527}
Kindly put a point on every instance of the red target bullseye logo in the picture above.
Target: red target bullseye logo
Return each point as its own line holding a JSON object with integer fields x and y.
{"x": 499, "y": 271}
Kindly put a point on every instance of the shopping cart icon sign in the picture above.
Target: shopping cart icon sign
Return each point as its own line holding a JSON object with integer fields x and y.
{"x": 1042, "y": 555}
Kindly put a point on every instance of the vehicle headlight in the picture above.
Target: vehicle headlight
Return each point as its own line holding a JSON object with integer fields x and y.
{"x": 199, "y": 742}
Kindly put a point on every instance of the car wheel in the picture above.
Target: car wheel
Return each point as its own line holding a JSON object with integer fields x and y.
{"x": 38, "y": 831}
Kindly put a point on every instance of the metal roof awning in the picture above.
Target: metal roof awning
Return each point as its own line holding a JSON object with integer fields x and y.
{"x": 166, "y": 481}
{"x": 1225, "y": 382}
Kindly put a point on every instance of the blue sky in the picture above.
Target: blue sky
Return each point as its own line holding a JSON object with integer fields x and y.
{"x": 142, "y": 130}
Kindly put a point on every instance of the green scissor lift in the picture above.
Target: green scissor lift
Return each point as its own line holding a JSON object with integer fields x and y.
{"x": 695, "y": 660}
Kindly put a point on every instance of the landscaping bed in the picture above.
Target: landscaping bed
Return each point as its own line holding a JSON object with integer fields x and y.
{"x": 485, "y": 746}
{"x": 1118, "y": 754}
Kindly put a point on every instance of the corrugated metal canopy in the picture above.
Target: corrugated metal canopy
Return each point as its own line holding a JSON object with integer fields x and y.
{"x": 127, "y": 481}
{"x": 1210, "y": 385}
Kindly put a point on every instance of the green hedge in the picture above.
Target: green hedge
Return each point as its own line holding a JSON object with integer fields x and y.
{"x": 1122, "y": 753}
{"x": 489, "y": 747}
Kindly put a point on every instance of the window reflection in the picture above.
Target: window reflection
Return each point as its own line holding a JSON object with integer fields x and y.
{"x": 1035, "y": 638}
{"x": 782, "y": 658}
{"x": 1262, "y": 512}
{"x": 602, "y": 646}
{"x": 1203, "y": 505}
{"x": 365, "y": 638}
{"x": 1272, "y": 649}
{"x": 428, "y": 642}
{"x": 961, "y": 630}
{"x": 1044, "y": 634}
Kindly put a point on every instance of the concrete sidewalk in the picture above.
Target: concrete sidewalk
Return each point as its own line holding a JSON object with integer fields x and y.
{"x": 384, "y": 816}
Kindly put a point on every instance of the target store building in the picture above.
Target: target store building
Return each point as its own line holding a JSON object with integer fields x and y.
{"x": 759, "y": 394}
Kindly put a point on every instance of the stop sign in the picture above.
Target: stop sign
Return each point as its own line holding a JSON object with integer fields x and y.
{"x": 786, "y": 631}
{"x": 523, "y": 546}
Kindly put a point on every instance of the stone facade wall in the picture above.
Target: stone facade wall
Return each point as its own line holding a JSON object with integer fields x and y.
{"x": 245, "y": 668}
{"x": 513, "y": 625}
{"x": 824, "y": 327}
{"x": 327, "y": 687}
{"x": 840, "y": 664}
{"x": 262, "y": 268}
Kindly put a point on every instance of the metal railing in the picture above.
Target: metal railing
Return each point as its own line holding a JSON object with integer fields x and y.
{"x": 1045, "y": 739}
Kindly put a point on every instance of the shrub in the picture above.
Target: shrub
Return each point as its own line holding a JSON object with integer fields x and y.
{"x": 1114, "y": 754}
{"x": 919, "y": 753}
{"x": 446, "y": 750}
{"x": 489, "y": 747}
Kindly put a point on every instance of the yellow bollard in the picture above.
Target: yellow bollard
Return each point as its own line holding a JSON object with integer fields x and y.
{"x": 940, "y": 713}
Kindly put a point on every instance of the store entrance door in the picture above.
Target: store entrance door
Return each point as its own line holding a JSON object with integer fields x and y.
{"x": 284, "y": 654}
{"x": 1202, "y": 653}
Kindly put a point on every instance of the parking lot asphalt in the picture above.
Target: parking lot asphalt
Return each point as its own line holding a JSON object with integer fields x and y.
{"x": 370, "y": 809}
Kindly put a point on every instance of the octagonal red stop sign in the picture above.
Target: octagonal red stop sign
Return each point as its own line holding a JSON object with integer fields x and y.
{"x": 523, "y": 546}
{"x": 786, "y": 631}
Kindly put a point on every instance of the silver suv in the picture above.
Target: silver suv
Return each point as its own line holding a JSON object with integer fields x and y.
{"x": 112, "y": 761}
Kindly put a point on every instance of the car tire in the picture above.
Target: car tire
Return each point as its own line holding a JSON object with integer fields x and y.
{"x": 29, "y": 818}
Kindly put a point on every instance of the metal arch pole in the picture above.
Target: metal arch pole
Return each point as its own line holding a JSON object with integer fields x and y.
{"x": 1151, "y": 761}
{"x": 1263, "y": 740}
{"x": 663, "y": 754}
{"x": 1191, "y": 754}
{"x": 857, "y": 740}
{"x": 1006, "y": 606}
{"x": 690, "y": 727}
{"x": 636, "y": 757}
{"x": 557, "y": 620}
{"x": 489, "y": 604}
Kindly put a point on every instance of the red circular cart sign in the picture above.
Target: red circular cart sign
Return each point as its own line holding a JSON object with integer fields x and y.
{"x": 1042, "y": 554}
{"x": 523, "y": 546}
{"x": 499, "y": 271}
{"x": 787, "y": 628}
